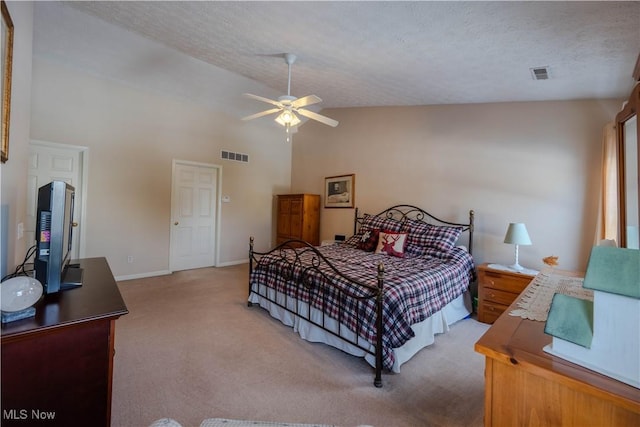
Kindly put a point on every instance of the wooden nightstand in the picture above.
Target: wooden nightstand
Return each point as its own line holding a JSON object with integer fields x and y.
{"x": 497, "y": 289}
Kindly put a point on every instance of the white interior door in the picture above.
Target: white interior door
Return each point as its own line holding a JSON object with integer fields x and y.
{"x": 194, "y": 202}
{"x": 54, "y": 162}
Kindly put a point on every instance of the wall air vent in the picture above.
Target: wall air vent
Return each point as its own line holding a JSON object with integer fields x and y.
{"x": 238, "y": 157}
{"x": 540, "y": 73}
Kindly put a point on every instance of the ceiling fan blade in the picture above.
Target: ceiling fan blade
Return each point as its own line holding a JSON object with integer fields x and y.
{"x": 306, "y": 100}
{"x": 263, "y": 99}
{"x": 262, "y": 113}
{"x": 318, "y": 117}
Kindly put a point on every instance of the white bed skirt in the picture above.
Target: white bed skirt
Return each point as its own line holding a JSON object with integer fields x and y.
{"x": 425, "y": 331}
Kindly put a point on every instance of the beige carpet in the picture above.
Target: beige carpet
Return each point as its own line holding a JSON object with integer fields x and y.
{"x": 191, "y": 349}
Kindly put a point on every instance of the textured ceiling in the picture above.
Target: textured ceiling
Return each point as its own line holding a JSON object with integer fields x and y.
{"x": 354, "y": 54}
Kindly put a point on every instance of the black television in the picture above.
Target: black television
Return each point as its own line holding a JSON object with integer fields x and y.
{"x": 54, "y": 232}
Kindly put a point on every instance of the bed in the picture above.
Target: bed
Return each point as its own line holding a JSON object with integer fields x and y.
{"x": 383, "y": 294}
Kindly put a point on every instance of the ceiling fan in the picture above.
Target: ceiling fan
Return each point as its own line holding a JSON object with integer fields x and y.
{"x": 288, "y": 106}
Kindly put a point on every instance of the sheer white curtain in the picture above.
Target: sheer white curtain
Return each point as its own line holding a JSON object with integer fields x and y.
{"x": 607, "y": 227}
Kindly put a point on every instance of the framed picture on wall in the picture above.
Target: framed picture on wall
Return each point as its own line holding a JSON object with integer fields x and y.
{"x": 339, "y": 191}
{"x": 6, "y": 56}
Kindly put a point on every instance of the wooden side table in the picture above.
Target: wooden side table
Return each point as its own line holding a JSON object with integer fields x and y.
{"x": 525, "y": 386}
{"x": 497, "y": 289}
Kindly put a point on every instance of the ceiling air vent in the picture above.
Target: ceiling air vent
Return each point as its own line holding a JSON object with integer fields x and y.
{"x": 540, "y": 73}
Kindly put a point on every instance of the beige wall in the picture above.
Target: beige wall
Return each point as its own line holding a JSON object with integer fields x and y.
{"x": 133, "y": 136}
{"x": 534, "y": 162}
{"x": 13, "y": 174}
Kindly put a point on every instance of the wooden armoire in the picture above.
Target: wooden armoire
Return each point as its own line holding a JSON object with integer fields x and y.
{"x": 298, "y": 218}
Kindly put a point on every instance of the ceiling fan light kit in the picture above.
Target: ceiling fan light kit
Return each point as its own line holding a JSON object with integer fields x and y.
{"x": 288, "y": 105}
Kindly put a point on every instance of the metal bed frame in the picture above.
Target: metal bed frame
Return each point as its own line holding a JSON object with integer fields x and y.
{"x": 312, "y": 280}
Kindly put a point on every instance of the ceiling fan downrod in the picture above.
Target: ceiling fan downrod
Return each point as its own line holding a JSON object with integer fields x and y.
{"x": 289, "y": 58}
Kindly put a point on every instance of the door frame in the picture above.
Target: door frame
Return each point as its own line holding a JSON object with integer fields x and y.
{"x": 83, "y": 153}
{"x": 218, "y": 207}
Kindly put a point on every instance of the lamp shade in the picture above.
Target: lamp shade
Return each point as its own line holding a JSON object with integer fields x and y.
{"x": 517, "y": 234}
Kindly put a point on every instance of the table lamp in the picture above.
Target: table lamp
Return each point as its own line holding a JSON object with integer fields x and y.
{"x": 517, "y": 235}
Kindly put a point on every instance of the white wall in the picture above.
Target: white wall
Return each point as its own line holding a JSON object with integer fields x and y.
{"x": 133, "y": 135}
{"x": 13, "y": 174}
{"x": 533, "y": 162}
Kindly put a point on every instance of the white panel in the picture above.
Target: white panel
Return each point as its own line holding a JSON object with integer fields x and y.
{"x": 183, "y": 238}
{"x": 61, "y": 164}
{"x": 186, "y": 202}
{"x": 32, "y": 194}
{"x": 33, "y": 160}
{"x": 204, "y": 240}
{"x": 206, "y": 177}
{"x": 186, "y": 176}
{"x": 205, "y": 204}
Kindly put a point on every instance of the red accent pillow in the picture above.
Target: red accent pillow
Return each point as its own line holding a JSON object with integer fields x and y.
{"x": 368, "y": 240}
{"x": 391, "y": 243}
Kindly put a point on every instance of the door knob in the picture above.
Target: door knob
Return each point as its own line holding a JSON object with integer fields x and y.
{"x": 74, "y": 224}
{"x": 176, "y": 223}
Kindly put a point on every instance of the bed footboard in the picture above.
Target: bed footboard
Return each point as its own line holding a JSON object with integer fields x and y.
{"x": 303, "y": 282}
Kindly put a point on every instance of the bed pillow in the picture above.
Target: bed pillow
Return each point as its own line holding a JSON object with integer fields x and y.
{"x": 368, "y": 240}
{"x": 373, "y": 222}
{"x": 381, "y": 223}
{"x": 391, "y": 243}
{"x": 424, "y": 238}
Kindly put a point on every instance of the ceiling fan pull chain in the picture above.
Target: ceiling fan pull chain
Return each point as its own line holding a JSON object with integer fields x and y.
{"x": 288, "y": 131}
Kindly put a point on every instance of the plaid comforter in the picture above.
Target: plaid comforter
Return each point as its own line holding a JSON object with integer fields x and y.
{"x": 414, "y": 288}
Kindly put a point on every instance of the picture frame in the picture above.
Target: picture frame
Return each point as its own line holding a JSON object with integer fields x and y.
{"x": 6, "y": 66}
{"x": 339, "y": 191}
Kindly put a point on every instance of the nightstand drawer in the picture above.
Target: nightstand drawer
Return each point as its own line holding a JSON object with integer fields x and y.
{"x": 497, "y": 289}
{"x": 498, "y": 296}
{"x": 491, "y": 311}
{"x": 505, "y": 282}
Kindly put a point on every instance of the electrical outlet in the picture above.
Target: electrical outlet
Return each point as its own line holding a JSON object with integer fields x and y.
{"x": 130, "y": 259}
{"x": 20, "y": 230}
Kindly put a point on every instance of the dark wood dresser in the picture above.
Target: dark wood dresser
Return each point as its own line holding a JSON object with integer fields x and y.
{"x": 57, "y": 367}
{"x": 298, "y": 218}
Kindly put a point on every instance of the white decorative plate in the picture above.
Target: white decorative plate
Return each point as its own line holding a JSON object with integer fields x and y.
{"x": 19, "y": 293}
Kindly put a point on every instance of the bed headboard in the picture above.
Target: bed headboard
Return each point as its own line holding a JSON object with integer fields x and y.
{"x": 404, "y": 212}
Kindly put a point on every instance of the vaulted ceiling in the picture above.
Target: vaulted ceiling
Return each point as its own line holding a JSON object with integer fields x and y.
{"x": 357, "y": 54}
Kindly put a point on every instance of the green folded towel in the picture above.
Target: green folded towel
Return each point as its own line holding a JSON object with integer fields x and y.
{"x": 571, "y": 319}
{"x": 614, "y": 270}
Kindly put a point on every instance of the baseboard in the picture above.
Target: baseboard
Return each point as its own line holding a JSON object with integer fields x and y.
{"x": 230, "y": 263}
{"x": 142, "y": 275}
{"x": 165, "y": 272}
